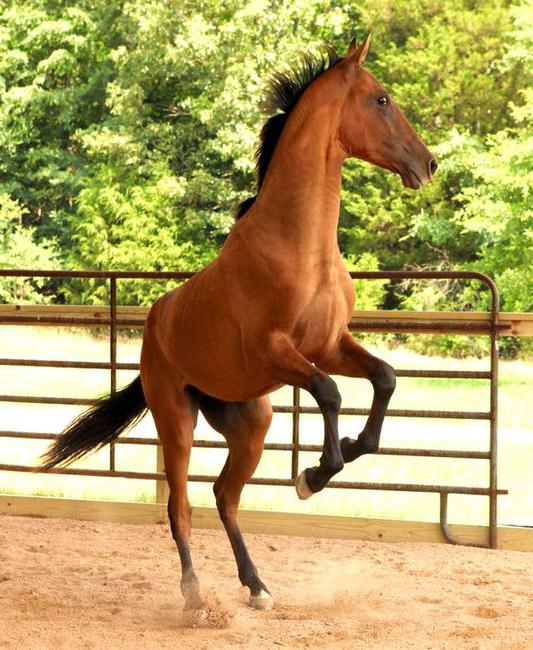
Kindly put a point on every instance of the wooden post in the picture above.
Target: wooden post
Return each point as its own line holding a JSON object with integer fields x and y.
{"x": 161, "y": 487}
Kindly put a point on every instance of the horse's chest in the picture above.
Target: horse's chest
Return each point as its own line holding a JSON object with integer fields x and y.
{"x": 317, "y": 326}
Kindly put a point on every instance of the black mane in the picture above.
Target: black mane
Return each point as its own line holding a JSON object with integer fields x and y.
{"x": 284, "y": 92}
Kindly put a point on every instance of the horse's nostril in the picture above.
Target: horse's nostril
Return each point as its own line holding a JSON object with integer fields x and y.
{"x": 432, "y": 166}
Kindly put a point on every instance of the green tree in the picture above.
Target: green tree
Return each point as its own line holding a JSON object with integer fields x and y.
{"x": 53, "y": 73}
{"x": 18, "y": 250}
{"x": 127, "y": 130}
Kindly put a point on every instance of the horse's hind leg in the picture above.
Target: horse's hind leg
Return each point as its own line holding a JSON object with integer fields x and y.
{"x": 175, "y": 414}
{"x": 244, "y": 425}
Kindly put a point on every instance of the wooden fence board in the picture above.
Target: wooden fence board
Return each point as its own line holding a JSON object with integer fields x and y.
{"x": 270, "y": 523}
{"x": 520, "y": 324}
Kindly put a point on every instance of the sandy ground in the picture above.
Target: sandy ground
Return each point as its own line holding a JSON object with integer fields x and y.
{"x": 70, "y": 584}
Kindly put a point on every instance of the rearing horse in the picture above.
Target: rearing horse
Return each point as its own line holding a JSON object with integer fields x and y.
{"x": 281, "y": 299}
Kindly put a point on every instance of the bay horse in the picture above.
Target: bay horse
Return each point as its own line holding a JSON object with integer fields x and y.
{"x": 280, "y": 299}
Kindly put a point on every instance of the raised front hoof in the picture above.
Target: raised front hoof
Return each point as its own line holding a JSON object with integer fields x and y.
{"x": 262, "y": 601}
{"x": 302, "y": 488}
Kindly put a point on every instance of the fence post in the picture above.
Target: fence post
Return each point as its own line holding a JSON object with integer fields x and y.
{"x": 112, "y": 353}
{"x": 295, "y": 431}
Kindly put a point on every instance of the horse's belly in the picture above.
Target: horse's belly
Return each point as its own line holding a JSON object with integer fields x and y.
{"x": 209, "y": 353}
{"x": 229, "y": 379}
{"x": 233, "y": 369}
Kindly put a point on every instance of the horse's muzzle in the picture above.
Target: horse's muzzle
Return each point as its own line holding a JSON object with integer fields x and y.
{"x": 416, "y": 176}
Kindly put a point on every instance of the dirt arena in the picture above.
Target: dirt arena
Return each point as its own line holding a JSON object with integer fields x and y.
{"x": 71, "y": 584}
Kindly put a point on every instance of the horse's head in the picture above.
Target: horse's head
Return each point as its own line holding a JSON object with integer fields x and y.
{"x": 374, "y": 128}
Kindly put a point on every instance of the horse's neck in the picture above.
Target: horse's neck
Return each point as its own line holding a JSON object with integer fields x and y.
{"x": 300, "y": 197}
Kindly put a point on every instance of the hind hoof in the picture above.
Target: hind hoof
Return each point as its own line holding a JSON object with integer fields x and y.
{"x": 193, "y": 604}
{"x": 263, "y": 601}
{"x": 302, "y": 489}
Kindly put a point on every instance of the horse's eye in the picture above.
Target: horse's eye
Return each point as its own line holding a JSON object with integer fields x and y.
{"x": 383, "y": 100}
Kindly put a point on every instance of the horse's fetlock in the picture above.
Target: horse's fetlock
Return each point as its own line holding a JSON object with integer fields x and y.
{"x": 337, "y": 466}
{"x": 250, "y": 578}
{"x": 247, "y": 578}
{"x": 369, "y": 445}
{"x": 333, "y": 465}
{"x": 189, "y": 579}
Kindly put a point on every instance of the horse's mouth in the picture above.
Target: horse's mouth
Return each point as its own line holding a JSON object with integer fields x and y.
{"x": 411, "y": 179}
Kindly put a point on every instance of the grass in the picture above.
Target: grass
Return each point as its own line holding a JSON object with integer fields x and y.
{"x": 515, "y": 448}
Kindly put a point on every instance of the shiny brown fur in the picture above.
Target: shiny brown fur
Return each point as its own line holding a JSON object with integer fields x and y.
{"x": 273, "y": 307}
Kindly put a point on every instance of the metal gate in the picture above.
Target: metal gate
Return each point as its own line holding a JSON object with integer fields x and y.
{"x": 109, "y": 316}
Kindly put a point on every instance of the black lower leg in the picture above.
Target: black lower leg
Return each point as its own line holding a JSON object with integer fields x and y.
{"x": 189, "y": 582}
{"x": 248, "y": 574}
{"x": 384, "y": 382}
{"x": 325, "y": 391}
{"x": 247, "y": 571}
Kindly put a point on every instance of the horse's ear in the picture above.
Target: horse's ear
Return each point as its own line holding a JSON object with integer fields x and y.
{"x": 351, "y": 48}
{"x": 358, "y": 53}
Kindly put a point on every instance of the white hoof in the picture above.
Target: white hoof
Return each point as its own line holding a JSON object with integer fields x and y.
{"x": 263, "y": 601}
{"x": 302, "y": 489}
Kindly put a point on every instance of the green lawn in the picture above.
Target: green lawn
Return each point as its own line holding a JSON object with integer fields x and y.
{"x": 515, "y": 450}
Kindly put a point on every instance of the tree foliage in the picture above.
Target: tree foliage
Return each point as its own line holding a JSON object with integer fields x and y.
{"x": 127, "y": 131}
{"x": 18, "y": 250}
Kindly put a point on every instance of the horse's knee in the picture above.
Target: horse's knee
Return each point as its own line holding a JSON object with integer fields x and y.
{"x": 383, "y": 379}
{"x": 326, "y": 393}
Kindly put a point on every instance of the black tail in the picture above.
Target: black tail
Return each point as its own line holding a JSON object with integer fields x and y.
{"x": 99, "y": 425}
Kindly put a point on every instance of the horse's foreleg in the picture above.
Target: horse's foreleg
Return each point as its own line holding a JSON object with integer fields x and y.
{"x": 352, "y": 360}
{"x": 292, "y": 368}
{"x": 244, "y": 425}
